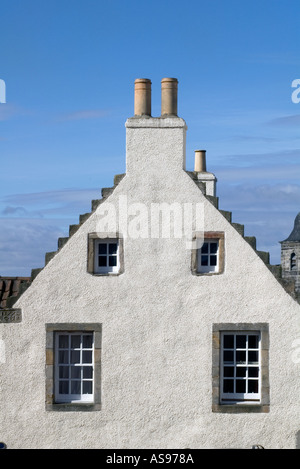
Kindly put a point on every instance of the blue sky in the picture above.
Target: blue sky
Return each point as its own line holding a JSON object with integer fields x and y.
{"x": 69, "y": 68}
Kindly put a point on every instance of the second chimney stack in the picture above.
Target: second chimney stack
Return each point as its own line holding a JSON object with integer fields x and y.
{"x": 200, "y": 161}
{"x": 169, "y": 88}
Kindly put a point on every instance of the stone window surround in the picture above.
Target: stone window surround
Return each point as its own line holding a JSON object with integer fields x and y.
{"x": 51, "y": 329}
{"x": 264, "y": 405}
{"x": 91, "y": 252}
{"x": 209, "y": 235}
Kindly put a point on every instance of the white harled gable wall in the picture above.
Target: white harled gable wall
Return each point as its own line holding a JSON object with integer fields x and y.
{"x": 156, "y": 362}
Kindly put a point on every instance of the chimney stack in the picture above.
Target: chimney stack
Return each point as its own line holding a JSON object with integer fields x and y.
{"x": 155, "y": 145}
{"x": 202, "y": 175}
{"x": 142, "y": 97}
{"x": 169, "y": 96}
{"x": 200, "y": 161}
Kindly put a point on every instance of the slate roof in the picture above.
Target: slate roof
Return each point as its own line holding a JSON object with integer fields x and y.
{"x": 12, "y": 287}
{"x": 295, "y": 234}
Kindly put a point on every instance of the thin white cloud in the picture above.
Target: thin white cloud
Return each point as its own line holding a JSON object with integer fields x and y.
{"x": 267, "y": 211}
{"x": 65, "y": 205}
{"x": 263, "y": 197}
{"x": 23, "y": 245}
{"x": 253, "y": 138}
{"x": 83, "y": 115}
{"x": 291, "y": 120}
{"x": 256, "y": 174}
{"x": 278, "y": 166}
{"x": 292, "y": 155}
{"x": 14, "y": 211}
{"x": 9, "y": 111}
{"x": 63, "y": 195}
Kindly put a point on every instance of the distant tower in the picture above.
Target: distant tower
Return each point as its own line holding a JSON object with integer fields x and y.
{"x": 290, "y": 255}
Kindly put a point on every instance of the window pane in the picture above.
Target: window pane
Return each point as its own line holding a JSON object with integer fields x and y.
{"x": 253, "y": 341}
{"x": 63, "y": 341}
{"x": 253, "y": 385}
{"x": 241, "y": 371}
{"x": 87, "y": 341}
{"x": 87, "y": 387}
{"x": 64, "y": 387}
{"x": 76, "y": 372}
{"x": 113, "y": 247}
{"x": 75, "y": 341}
{"x": 240, "y": 356}
{"x": 87, "y": 372}
{"x": 204, "y": 260}
{"x": 240, "y": 385}
{"x": 75, "y": 387}
{"x": 228, "y": 385}
{"x": 253, "y": 372}
{"x": 204, "y": 248}
{"x": 102, "y": 262}
{"x": 228, "y": 371}
{"x": 87, "y": 356}
{"x": 213, "y": 248}
{"x": 75, "y": 356}
{"x": 74, "y": 365}
{"x": 241, "y": 341}
{"x": 64, "y": 372}
{"x": 253, "y": 356}
{"x": 228, "y": 356}
{"x": 213, "y": 260}
{"x": 63, "y": 357}
{"x": 228, "y": 341}
{"x": 112, "y": 261}
{"x": 102, "y": 248}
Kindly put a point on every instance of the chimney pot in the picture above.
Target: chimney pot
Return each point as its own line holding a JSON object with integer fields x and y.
{"x": 200, "y": 161}
{"x": 169, "y": 88}
{"x": 142, "y": 97}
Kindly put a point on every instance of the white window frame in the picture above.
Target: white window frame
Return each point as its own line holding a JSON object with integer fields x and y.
{"x": 107, "y": 268}
{"x": 208, "y": 268}
{"x": 84, "y": 368}
{"x": 236, "y": 397}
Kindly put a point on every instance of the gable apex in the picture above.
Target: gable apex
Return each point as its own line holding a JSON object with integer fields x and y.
{"x": 155, "y": 150}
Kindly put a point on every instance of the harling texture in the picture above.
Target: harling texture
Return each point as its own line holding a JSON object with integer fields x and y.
{"x": 158, "y": 322}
